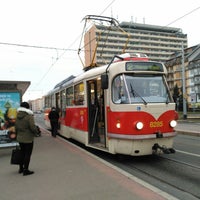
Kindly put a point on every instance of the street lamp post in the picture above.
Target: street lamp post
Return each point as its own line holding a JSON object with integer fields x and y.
{"x": 183, "y": 85}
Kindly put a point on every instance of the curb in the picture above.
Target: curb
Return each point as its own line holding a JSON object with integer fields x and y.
{"x": 192, "y": 133}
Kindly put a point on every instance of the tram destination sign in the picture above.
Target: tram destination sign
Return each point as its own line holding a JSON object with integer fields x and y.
{"x": 144, "y": 66}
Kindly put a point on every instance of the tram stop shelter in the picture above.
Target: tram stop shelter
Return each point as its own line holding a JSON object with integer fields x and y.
{"x": 11, "y": 93}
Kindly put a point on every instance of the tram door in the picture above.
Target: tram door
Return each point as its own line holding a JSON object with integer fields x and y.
{"x": 96, "y": 118}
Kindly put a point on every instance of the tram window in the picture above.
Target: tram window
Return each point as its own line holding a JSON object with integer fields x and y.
{"x": 131, "y": 88}
{"x": 63, "y": 102}
{"x": 47, "y": 102}
{"x": 154, "y": 88}
{"x": 58, "y": 101}
{"x": 79, "y": 94}
{"x": 52, "y": 100}
{"x": 119, "y": 92}
{"x": 69, "y": 96}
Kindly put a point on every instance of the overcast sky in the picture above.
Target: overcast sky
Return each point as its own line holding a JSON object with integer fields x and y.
{"x": 58, "y": 24}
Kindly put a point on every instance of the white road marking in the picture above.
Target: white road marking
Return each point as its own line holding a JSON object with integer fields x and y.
{"x": 192, "y": 154}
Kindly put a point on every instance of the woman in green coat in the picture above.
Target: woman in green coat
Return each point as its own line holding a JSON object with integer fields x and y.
{"x": 26, "y": 130}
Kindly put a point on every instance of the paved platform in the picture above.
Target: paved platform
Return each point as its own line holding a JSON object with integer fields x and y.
{"x": 188, "y": 128}
{"x": 65, "y": 172}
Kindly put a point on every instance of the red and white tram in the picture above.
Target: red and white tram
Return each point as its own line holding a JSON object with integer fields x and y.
{"x": 122, "y": 108}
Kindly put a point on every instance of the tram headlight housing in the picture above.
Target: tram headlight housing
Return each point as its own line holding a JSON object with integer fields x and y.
{"x": 139, "y": 125}
{"x": 173, "y": 123}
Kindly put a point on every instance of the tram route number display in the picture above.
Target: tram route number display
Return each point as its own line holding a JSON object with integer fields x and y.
{"x": 156, "y": 124}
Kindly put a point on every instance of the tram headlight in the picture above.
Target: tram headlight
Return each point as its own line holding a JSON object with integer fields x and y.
{"x": 118, "y": 125}
{"x": 173, "y": 123}
{"x": 139, "y": 125}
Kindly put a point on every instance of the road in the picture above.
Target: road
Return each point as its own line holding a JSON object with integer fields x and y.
{"x": 188, "y": 127}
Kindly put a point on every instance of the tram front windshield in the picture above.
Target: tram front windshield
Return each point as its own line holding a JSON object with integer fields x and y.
{"x": 137, "y": 88}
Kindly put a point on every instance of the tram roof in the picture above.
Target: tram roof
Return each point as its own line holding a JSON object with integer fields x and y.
{"x": 91, "y": 73}
{"x": 64, "y": 81}
{"x": 20, "y": 86}
{"x": 102, "y": 69}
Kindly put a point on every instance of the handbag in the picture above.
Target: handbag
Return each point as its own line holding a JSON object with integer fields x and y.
{"x": 16, "y": 157}
{"x": 38, "y": 134}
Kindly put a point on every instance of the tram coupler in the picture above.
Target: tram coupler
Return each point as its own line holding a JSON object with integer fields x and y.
{"x": 156, "y": 148}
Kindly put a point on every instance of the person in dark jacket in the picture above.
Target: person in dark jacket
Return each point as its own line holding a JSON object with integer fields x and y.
{"x": 26, "y": 130}
{"x": 54, "y": 117}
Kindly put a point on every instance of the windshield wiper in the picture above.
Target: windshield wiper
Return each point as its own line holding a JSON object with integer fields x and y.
{"x": 167, "y": 99}
{"x": 135, "y": 93}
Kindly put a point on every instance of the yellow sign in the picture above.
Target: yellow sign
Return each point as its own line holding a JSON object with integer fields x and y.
{"x": 81, "y": 112}
{"x": 156, "y": 124}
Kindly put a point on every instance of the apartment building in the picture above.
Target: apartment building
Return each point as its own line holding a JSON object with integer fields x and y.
{"x": 37, "y": 105}
{"x": 101, "y": 42}
{"x": 190, "y": 63}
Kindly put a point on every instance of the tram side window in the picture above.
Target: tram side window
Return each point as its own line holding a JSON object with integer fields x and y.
{"x": 52, "y": 100}
{"x": 69, "y": 96}
{"x": 79, "y": 94}
{"x": 47, "y": 102}
{"x": 58, "y": 100}
{"x": 119, "y": 93}
{"x": 63, "y": 102}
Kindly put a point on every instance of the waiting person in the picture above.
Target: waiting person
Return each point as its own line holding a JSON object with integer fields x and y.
{"x": 26, "y": 130}
{"x": 54, "y": 117}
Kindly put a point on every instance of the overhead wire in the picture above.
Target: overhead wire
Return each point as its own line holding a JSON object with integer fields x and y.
{"x": 68, "y": 49}
{"x": 53, "y": 48}
{"x": 34, "y": 46}
{"x": 183, "y": 16}
{"x": 48, "y": 70}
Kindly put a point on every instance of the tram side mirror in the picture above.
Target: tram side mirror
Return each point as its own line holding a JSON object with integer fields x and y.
{"x": 104, "y": 81}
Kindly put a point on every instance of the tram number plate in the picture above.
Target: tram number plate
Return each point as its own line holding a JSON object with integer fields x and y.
{"x": 156, "y": 124}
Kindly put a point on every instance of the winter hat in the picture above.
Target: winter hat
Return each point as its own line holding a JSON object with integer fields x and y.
{"x": 25, "y": 105}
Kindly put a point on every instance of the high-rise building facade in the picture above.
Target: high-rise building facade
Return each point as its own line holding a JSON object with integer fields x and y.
{"x": 189, "y": 61}
{"x": 157, "y": 42}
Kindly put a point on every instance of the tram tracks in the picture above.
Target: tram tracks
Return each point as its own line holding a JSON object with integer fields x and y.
{"x": 159, "y": 181}
{"x": 168, "y": 174}
{"x": 182, "y": 162}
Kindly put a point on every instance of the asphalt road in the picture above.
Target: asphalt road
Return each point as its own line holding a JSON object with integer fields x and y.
{"x": 177, "y": 174}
